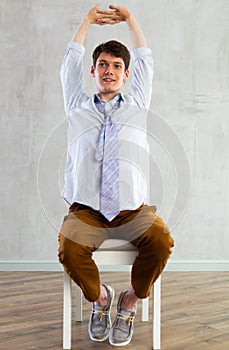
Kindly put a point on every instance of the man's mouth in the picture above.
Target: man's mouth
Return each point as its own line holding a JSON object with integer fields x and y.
{"x": 108, "y": 80}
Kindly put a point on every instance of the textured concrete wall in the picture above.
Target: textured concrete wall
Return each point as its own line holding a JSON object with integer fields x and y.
{"x": 190, "y": 44}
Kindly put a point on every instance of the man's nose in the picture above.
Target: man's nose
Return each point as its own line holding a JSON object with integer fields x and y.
{"x": 108, "y": 70}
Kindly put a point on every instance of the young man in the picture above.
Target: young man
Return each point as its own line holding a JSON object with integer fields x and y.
{"x": 104, "y": 187}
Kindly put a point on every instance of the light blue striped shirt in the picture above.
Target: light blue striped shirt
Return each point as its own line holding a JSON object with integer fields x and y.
{"x": 84, "y": 121}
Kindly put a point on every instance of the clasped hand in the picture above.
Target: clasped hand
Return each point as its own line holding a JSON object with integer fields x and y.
{"x": 115, "y": 15}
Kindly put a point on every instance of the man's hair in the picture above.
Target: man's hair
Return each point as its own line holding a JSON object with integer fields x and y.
{"x": 114, "y": 48}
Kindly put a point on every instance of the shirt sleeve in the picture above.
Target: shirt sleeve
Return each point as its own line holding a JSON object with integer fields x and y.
{"x": 141, "y": 84}
{"x": 71, "y": 74}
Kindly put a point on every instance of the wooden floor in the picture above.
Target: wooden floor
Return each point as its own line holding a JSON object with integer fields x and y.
{"x": 195, "y": 312}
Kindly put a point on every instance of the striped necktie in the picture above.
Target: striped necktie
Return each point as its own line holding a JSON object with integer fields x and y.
{"x": 107, "y": 152}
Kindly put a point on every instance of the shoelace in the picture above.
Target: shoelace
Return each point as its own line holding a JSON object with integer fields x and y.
{"x": 128, "y": 319}
{"x": 101, "y": 313}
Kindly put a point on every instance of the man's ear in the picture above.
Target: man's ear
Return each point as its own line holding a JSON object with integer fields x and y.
{"x": 126, "y": 75}
{"x": 93, "y": 71}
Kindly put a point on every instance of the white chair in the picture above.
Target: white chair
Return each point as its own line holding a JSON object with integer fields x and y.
{"x": 106, "y": 257}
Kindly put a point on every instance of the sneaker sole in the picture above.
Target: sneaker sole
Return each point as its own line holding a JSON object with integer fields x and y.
{"x": 120, "y": 344}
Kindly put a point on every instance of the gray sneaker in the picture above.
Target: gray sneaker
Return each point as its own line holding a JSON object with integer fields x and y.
{"x": 123, "y": 327}
{"x": 100, "y": 322}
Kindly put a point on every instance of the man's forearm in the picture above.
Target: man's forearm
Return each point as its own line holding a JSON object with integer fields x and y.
{"x": 81, "y": 32}
{"x": 91, "y": 18}
{"x": 137, "y": 36}
{"x": 123, "y": 14}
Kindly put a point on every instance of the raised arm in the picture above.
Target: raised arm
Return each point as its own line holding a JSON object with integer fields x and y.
{"x": 94, "y": 16}
{"x": 122, "y": 14}
{"x": 72, "y": 65}
{"x": 81, "y": 32}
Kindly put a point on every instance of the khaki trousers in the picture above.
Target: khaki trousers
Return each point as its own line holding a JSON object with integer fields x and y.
{"x": 84, "y": 230}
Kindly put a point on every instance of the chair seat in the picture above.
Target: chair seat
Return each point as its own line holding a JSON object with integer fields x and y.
{"x": 113, "y": 252}
{"x": 117, "y": 245}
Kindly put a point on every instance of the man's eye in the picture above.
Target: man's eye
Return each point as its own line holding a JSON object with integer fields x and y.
{"x": 118, "y": 66}
{"x": 102, "y": 64}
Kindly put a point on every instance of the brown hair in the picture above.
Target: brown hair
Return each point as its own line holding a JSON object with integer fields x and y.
{"x": 114, "y": 48}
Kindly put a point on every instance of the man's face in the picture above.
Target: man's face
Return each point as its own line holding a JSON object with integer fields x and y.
{"x": 109, "y": 74}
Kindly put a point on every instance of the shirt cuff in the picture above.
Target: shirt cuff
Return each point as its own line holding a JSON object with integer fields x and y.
{"x": 140, "y": 52}
{"x": 76, "y": 46}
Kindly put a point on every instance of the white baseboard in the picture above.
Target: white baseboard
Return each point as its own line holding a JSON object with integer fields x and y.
{"x": 198, "y": 265}
{"x": 173, "y": 266}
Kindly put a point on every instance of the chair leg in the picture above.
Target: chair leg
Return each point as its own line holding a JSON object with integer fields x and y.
{"x": 67, "y": 318}
{"x": 157, "y": 314}
{"x": 79, "y": 312}
{"x": 145, "y": 310}
{"x": 67, "y": 312}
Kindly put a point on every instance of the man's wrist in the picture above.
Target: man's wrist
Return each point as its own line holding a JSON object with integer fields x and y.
{"x": 130, "y": 17}
{"x": 130, "y": 20}
{"x": 87, "y": 20}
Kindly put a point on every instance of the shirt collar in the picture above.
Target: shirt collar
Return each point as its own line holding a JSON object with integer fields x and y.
{"x": 119, "y": 96}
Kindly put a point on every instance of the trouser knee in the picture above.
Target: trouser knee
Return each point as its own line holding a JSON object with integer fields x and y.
{"x": 72, "y": 254}
{"x": 156, "y": 241}
{"x": 161, "y": 240}
{"x": 78, "y": 263}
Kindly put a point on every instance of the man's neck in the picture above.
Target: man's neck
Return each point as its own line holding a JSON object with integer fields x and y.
{"x": 108, "y": 97}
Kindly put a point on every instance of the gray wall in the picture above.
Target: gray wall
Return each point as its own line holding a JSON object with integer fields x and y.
{"x": 189, "y": 40}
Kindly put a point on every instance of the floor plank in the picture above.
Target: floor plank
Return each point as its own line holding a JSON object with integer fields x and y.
{"x": 195, "y": 312}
